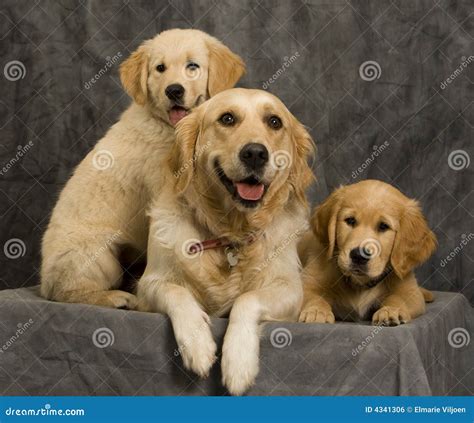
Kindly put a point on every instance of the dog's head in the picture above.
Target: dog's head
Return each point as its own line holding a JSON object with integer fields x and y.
{"x": 178, "y": 70}
{"x": 243, "y": 150}
{"x": 371, "y": 227}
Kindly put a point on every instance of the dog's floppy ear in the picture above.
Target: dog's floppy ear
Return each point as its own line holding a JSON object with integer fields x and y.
{"x": 414, "y": 241}
{"x": 301, "y": 176}
{"x": 134, "y": 74}
{"x": 225, "y": 67}
{"x": 182, "y": 156}
{"x": 324, "y": 221}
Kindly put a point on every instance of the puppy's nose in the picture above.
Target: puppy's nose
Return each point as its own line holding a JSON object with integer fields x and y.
{"x": 359, "y": 256}
{"x": 254, "y": 156}
{"x": 174, "y": 92}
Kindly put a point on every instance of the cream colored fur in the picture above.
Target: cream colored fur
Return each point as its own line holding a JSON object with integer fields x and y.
{"x": 264, "y": 284}
{"x": 102, "y": 208}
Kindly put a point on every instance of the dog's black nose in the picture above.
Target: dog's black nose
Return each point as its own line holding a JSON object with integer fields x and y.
{"x": 359, "y": 256}
{"x": 174, "y": 92}
{"x": 254, "y": 156}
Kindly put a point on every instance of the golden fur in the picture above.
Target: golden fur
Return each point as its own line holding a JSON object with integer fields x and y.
{"x": 264, "y": 282}
{"x": 102, "y": 208}
{"x": 350, "y": 220}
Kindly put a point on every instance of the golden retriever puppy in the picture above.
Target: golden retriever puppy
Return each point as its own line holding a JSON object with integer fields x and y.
{"x": 358, "y": 262}
{"x": 223, "y": 232}
{"x": 102, "y": 209}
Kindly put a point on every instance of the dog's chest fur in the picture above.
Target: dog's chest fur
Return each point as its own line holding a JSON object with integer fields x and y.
{"x": 217, "y": 277}
{"x": 221, "y": 275}
{"x": 358, "y": 305}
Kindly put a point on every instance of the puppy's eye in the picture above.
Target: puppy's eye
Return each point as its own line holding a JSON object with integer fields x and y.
{"x": 383, "y": 227}
{"x": 227, "y": 119}
{"x": 351, "y": 221}
{"x": 274, "y": 122}
{"x": 161, "y": 68}
{"x": 192, "y": 66}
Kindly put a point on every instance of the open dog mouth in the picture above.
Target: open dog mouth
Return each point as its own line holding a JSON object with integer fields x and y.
{"x": 176, "y": 113}
{"x": 249, "y": 191}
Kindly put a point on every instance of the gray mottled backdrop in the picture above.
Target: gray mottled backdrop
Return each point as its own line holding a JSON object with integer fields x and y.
{"x": 370, "y": 78}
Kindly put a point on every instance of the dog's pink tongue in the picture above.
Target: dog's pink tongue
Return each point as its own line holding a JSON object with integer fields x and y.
{"x": 250, "y": 192}
{"x": 176, "y": 114}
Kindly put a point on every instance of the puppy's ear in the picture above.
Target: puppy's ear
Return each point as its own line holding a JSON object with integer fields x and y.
{"x": 414, "y": 241}
{"x": 324, "y": 221}
{"x": 301, "y": 176}
{"x": 225, "y": 67}
{"x": 134, "y": 74}
{"x": 182, "y": 158}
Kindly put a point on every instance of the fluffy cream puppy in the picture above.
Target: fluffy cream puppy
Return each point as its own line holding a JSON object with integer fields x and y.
{"x": 102, "y": 210}
{"x": 224, "y": 230}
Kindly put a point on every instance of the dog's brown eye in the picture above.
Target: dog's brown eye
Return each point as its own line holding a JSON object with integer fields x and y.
{"x": 383, "y": 227}
{"x": 161, "y": 68}
{"x": 351, "y": 221}
{"x": 274, "y": 122}
{"x": 227, "y": 119}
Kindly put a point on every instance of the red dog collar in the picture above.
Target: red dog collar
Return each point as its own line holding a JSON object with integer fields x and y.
{"x": 223, "y": 241}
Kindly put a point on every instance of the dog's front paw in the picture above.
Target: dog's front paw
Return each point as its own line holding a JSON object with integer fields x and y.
{"x": 239, "y": 360}
{"x": 120, "y": 299}
{"x": 391, "y": 316}
{"x": 196, "y": 345}
{"x": 312, "y": 314}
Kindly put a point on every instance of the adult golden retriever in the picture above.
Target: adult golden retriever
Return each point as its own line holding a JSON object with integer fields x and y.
{"x": 367, "y": 239}
{"x": 224, "y": 231}
{"x": 102, "y": 209}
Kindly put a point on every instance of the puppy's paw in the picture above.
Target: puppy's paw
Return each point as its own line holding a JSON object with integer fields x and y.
{"x": 196, "y": 345}
{"x": 316, "y": 315}
{"x": 120, "y": 299}
{"x": 391, "y": 316}
{"x": 239, "y": 361}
